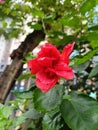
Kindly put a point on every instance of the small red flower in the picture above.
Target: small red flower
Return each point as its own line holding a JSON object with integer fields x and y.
{"x": 50, "y": 65}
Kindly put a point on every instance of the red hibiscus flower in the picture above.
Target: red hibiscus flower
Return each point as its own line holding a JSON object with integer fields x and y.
{"x": 1, "y": 1}
{"x": 50, "y": 65}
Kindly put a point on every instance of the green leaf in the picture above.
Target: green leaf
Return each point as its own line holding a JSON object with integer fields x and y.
{"x": 29, "y": 56}
{"x": 93, "y": 28}
{"x": 80, "y": 112}
{"x": 44, "y": 102}
{"x": 49, "y": 19}
{"x": 18, "y": 120}
{"x": 24, "y": 95}
{"x": 5, "y": 111}
{"x": 36, "y": 26}
{"x": 32, "y": 114}
{"x": 94, "y": 43}
{"x": 96, "y": 1}
{"x": 92, "y": 35}
{"x": 81, "y": 67}
{"x": 37, "y": 12}
{"x": 65, "y": 40}
{"x": 1, "y": 106}
{"x": 70, "y": 21}
{"x": 52, "y": 121}
{"x": 94, "y": 71}
{"x": 25, "y": 76}
{"x": 3, "y": 123}
{"x": 87, "y": 5}
{"x": 83, "y": 59}
{"x": 4, "y": 23}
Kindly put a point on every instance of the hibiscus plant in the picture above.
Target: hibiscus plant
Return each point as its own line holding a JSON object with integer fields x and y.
{"x": 64, "y": 72}
{"x": 48, "y": 104}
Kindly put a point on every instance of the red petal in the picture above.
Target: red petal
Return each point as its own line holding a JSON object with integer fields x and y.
{"x": 64, "y": 71}
{"x": 34, "y": 66}
{"x": 66, "y": 52}
{"x": 49, "y": 51}
{"x": 45, "y": 62}
{"x": 44, "y": 82}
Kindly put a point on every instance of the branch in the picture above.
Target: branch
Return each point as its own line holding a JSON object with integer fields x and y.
{"x": 7, "y": 79}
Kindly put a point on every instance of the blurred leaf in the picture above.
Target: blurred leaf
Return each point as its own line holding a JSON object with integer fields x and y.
{"x": 32, "y": 114}
{"x": 80, "y": 112}
{"x": 4, "y": 23}
{"x": 65, "y": 40}
{"x": 94, "y": 71}
{"x": 18, "y": 120}
{"x": 94, "y": 43}
{"x": 6, "y": 111}
{"x": 52, "y": 121}
{"x": 83, "y": 59}
{"x": 96, "y": 1}
{"x": 25, "y": 76}
{"x": 70, "y": 21}
{"x": 36, "y": 26}
{"x": 81, "y": 67}
{"x": 92, "y": 35}
{"x": 37, "y": 12}
{"x": 49, "y": 19}
{"x": 24, "y": 95}
{"x": 29, "y": 56}
{"x": 44, "y": 102}
{"x": 3, "y": 123}
{"x": 93, "y": 28}
{"x": 87, "y": 5}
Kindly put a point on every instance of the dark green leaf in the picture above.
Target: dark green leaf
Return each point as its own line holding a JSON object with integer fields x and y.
{"x": 51, "y": 121}
{"x": 66, "y": 39}
{"x": 93, "y": 28}
{"x": 80, "y": 112}
{"x": 94, "y": 71}
{"x": 18, "y": 120}
{"x": 81, "y": 67}
{"x": 32, "y": 114}
{"x": 47, "y": 101}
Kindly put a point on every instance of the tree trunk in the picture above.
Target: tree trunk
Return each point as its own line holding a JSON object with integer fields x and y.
{"x": 13, "y": 71}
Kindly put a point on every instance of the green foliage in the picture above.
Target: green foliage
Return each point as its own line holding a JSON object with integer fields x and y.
{"x": 94, "y": 71}
{"x": 83, "y": 59}
{"x": 80, "y": 112}
{"x": 24, "y": 95}
{"x": 25, "y": 76}
{"x": 87, "y": 5}
{"x": 5, "y": 112}
{"x": 52, "y": 120}
{"x": 63, "y": 21}
{"x": 53, "y": 98}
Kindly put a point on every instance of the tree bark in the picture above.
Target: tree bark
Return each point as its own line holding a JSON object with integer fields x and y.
{"x": 13, "y": 71}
